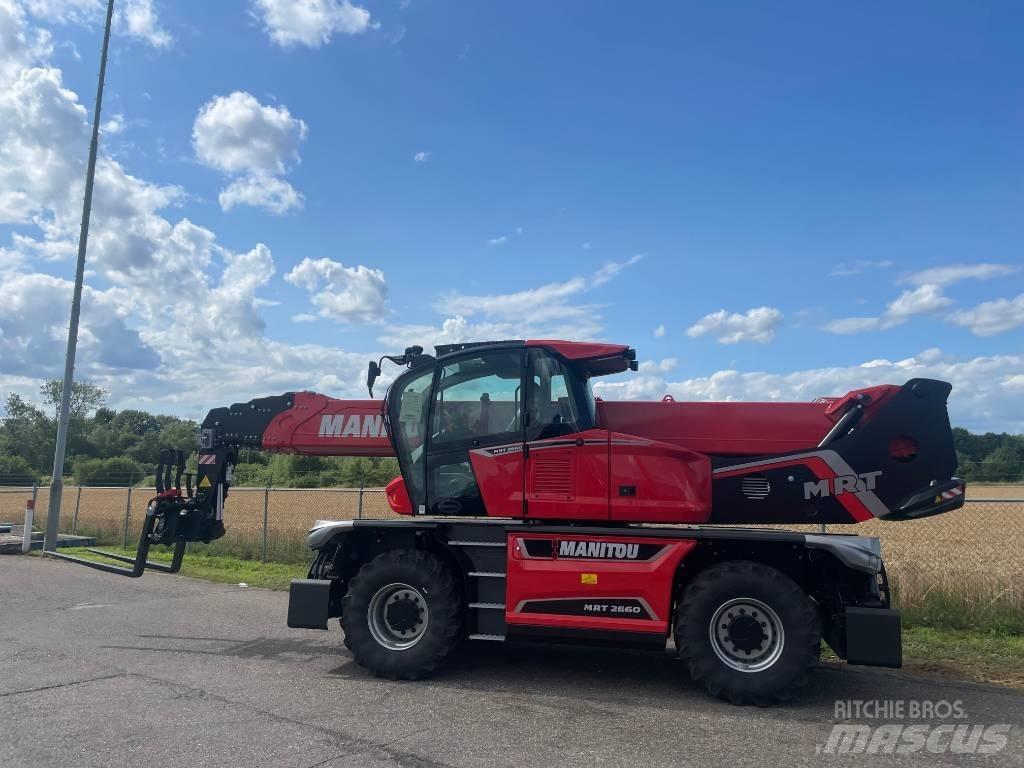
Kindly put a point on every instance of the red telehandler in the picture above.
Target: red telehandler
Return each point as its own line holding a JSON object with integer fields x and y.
{"x": 529, "y": 509}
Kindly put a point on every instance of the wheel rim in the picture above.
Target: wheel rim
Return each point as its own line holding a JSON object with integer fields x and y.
{"x": 746, "y": 635}
{"x": 398, "y": 616}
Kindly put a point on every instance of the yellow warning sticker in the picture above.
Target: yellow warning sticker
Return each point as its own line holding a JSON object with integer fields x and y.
{"x": 204, "y": 483}
{"x": 588, "y": 578}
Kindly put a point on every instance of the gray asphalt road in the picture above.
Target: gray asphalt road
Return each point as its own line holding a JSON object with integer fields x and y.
{"x": 99, "y": 670}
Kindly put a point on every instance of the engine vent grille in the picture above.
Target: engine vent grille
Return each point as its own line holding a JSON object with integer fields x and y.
{"x": 755, "y": 487}
{"x": 552, "y": 474}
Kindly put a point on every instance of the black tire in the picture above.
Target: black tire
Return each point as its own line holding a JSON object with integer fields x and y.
{"x": 425, "y": 605}
{"x": 765, "y": 665}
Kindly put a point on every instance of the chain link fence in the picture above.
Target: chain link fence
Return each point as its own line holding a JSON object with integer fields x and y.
{"x": 976, "y": 552}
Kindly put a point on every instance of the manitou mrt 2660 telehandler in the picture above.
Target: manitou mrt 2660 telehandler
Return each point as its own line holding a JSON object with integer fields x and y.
{"x": 535, "y": 511}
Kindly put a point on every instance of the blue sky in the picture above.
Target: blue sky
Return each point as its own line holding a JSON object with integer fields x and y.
{"x": 766, "y": 200}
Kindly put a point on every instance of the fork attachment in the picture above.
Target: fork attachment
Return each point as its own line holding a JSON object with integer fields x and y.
{"x": 172, "y": 519}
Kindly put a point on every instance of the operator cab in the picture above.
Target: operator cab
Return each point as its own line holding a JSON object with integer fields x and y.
{"x": 463, "y": 423}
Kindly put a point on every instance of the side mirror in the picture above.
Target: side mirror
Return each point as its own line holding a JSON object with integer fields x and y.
{"x": 371, "y": 376}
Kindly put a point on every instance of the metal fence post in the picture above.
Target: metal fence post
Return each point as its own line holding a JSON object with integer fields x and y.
{"x": 360, "y": 513}
{"x": 78, "y": 504}
{"x": 266, "y": 518}
{"x": 127, "y": 514}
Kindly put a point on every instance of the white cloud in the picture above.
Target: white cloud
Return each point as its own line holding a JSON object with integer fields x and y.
{"x": 923, "y": 300}
{"x": 20, "y": 46}
{"x": 34, "y": 321}
{"x": 498, "y": 240}
{"x": 610, "y": 269}
{"x": 43, "y": 136}
{"x": 347, "y": 294}
{"x": 261, "y": 191}
{"x": 421, "y": 157}
{"x": 658, "y": 366}
{"x": 986, "y": 390}
{"x": 659, "y": 332}
{"x": 544, "y": 301}
{"x": 138, "y": 19}
{"x": 991, "y": 318}
{"x": 954, "y": 273}
{"x": 115, "y": 124}
{"x": 547, "y": 311}
{"x": 133, "y": 18}
{"x": 236, "y": 134}
{"x": 310, "y": 22}
{"x": 758, "y": 324}
{"x": 303, "y": 317}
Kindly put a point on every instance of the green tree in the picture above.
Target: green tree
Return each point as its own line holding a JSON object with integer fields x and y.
{"x": 14, "y": 470}
{"x": 85, "y": 396}
{"x": 113, "y": 471}
{"x": 26, "y": 432}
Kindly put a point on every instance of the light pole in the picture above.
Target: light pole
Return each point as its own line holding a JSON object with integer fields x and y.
{"x": 57, "y": 481}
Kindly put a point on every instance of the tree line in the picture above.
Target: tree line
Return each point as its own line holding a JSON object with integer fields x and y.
{"x": 108, "y": 447}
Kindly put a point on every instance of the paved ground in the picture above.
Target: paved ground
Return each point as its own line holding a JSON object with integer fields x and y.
{"x": 99, "y": 670}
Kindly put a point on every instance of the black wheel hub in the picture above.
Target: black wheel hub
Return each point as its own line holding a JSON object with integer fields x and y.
{"x": 746, "y": 634}
{"x": 403, "y": 615}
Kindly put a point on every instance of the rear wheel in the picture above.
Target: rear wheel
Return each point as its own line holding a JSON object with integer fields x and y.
{"x": 747, "y": 632}
{"x": 402, "y": 614}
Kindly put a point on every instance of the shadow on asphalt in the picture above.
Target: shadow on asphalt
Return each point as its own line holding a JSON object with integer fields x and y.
{"x": 541, "y": 668}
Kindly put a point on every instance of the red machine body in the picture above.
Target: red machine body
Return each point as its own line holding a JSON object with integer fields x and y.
{"x": 579, "y": 582}
{"x": 622, "y": 461}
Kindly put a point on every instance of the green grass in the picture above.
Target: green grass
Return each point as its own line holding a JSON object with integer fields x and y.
{"x": 987, "y": 611}
{"x": 221, "y": 568}
{"x": 987, "y": 657}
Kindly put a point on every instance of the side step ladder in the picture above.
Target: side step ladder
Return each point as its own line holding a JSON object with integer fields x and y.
{"x": 139, "y": 563}
{"x": 486, "y": 549}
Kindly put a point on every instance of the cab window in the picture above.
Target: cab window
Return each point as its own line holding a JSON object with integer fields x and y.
{"x": 478, "y": 398}
{"x": 554, "y": 409}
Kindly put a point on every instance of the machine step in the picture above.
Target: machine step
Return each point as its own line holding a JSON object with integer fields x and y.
{"x": 477, "y": 543}
{"x": 495, "y": 606}
{"x": 495, "y": 638}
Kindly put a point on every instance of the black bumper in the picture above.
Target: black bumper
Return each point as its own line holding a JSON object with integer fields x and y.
{"x": 309, "y": 603}
{"x": 873, "y": 637}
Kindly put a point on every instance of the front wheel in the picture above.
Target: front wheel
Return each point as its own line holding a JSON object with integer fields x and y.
{"x": 747, "y": 632}
{"x": 402, "y": 614}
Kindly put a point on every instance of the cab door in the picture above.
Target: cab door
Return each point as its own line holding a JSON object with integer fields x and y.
{"x": 566, "y": 456}
{"x": 474, "y": 456}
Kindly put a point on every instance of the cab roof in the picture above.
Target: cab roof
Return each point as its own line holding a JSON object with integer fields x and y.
{"x": 597, "y": 359}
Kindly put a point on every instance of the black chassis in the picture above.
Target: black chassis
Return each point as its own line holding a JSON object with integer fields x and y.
{"x": 844, "y": 574}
